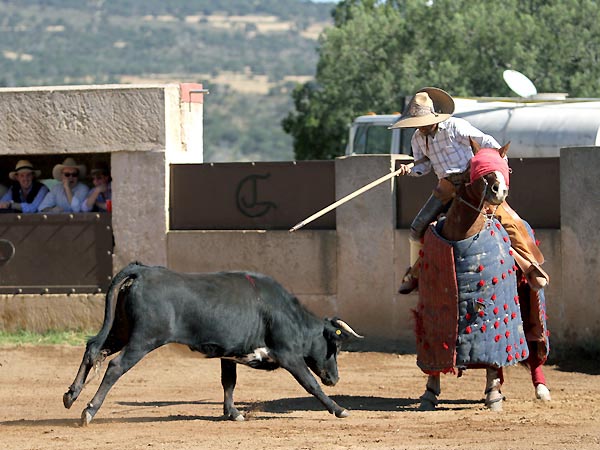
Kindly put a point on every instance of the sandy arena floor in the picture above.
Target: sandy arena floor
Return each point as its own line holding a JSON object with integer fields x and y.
{"x": 172, "y": 400}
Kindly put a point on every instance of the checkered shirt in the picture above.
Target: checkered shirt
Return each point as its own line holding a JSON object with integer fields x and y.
{"x": 449, "y": 150}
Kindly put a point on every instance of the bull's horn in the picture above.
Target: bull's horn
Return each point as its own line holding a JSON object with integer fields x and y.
{"x": 344, "y": 326}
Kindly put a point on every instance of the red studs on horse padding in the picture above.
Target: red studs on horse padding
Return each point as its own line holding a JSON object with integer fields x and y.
{"x": 495, "y": 280}
{"x": 507, "y": 334}
{"x": 480, "y": 268}
{"x": 481, "y": 283}
{"x": 496, "y": 310}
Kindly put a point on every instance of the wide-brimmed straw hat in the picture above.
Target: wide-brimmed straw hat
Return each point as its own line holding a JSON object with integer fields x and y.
{"x": 69, "y": 162}
{"x": 21, "y": 166}
{"x": 428, "y": 106}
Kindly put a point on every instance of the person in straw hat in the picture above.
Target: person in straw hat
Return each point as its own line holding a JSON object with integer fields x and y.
{"x": 70, "y": 193}
{"x": 26, "y": 192}
{"x": 442, "y": 143}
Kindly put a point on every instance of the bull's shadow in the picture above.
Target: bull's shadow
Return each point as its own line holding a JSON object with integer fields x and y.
{"x": 351, "y": 402}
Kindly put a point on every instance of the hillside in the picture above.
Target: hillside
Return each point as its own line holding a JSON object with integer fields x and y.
{"x": 248, "y": 53}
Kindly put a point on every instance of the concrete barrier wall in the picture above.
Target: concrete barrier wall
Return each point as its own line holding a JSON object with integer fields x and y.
{"x": 578, "y": 306}
{"x": 353, "y": 272}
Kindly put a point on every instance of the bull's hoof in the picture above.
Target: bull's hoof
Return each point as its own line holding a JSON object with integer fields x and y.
{"x": 86, "y": 418}
{"x": 342, "y": 413}
{"x": 68, "y": 399}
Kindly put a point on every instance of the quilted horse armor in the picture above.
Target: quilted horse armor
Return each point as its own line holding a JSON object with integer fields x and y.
{"x": 468, "y": 313}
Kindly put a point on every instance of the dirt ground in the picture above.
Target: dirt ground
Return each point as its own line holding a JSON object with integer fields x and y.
{"x": 172, "y": 400}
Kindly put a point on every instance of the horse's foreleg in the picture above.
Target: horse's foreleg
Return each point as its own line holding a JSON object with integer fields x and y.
{"x": 493, "y": 395}
{"x": 429, "y": 399}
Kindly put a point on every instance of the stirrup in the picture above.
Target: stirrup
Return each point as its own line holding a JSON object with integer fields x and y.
{"x": 409, "y": 282}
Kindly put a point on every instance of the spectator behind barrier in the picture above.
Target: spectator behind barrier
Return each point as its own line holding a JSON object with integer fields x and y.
{"x": 26, "y": 192}
{"x": 69, "y": 195}
{"x": 101, "y": 193}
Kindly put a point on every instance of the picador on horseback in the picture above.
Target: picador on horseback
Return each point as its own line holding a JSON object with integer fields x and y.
{"x": 443, "y": 143}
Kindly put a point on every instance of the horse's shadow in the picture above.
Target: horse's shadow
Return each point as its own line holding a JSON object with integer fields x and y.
{"x": 251, "y": 410}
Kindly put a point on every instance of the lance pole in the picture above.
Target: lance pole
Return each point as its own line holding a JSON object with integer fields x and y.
{"x": 350, "y": 196}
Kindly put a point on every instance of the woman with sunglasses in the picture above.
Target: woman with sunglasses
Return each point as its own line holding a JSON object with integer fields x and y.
{"x": 70, "y": 193}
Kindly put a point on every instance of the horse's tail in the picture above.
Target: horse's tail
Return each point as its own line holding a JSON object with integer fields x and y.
{"x": 95, "y": 343}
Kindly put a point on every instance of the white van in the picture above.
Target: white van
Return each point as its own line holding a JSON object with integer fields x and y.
{"x": 537, "y": 127}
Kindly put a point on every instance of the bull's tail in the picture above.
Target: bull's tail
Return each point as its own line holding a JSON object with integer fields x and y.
{"x": 95, "y": 343}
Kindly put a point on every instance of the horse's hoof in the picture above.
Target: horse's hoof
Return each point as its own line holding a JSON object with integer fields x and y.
{"x": 495, "y": 406}
{"x": 429, "y": 401}
{"x": 86, "y": 418}
{"x": 239, "y": 418}
{"x": 542, "y": 393}
{"x": 342, "y": 414}
{"x": 493, "y": 401}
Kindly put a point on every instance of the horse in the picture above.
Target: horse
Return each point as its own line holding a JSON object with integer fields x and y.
{"x": 467, "y": 259}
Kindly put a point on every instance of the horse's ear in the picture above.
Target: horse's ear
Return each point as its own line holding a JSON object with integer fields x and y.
{"x": 474, "y": 145}
{"x": 504, "y": 149}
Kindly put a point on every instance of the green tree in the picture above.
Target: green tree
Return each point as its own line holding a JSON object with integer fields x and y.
{"x": 378, "y": 52}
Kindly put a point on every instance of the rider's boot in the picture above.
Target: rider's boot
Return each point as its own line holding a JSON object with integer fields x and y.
{"x": 410, "y": 281}
{"x": 535, "y": 275}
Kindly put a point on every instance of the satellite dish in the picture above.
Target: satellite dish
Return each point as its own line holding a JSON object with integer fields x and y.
{"x": 519, "y": 83}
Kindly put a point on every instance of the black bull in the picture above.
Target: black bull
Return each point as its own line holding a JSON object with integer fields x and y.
{"x": 240, "y": 317}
